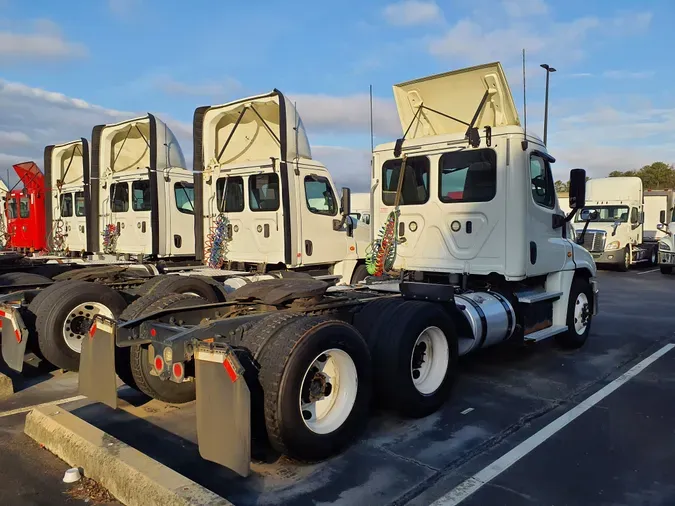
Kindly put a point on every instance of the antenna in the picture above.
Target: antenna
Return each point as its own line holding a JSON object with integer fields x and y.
{"x": 524, "y": 143}
{"x": 372, "y": 147}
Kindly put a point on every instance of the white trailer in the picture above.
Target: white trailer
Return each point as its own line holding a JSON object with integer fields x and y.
{"x": 619, "y": 233}
{"x": 476, "y": 253}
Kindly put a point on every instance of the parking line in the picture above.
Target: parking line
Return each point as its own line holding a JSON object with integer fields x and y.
{"x": 646, "y": 272}
{"x": 53, "y": 403}
{"x": 473, "y": 484}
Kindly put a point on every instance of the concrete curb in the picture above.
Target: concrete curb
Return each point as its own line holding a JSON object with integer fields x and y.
{"x": 132, "y": 477}
{"x": 6, "y": 387}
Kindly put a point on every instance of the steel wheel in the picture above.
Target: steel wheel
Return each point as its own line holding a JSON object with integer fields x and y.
{"x": 77, "y": 323}
{"x": 429, "y": 361}
{"x": 328, "y": 392}
{"x": 581, "y": 313}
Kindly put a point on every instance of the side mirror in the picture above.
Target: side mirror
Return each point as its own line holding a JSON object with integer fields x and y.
{"x": 577, "y": 188}
{"x": 346, "y": 201}
{"x": 660, "y": 226}
{"x": 662, "y": 216}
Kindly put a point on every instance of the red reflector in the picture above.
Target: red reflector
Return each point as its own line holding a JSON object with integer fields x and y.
{"x": 92, "y": 330}
{"x": 178, "y": 370}
{"x": 153, "y": 332}
{"x": 18, "y": 336}
{"x": 0, "y": 324}
{"x": 159, "y": 363}
{"x": 2, "y": 314}
{"x": 230, "y": 370}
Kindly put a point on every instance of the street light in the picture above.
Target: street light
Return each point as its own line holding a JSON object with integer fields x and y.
{"x": 548, "y": 70}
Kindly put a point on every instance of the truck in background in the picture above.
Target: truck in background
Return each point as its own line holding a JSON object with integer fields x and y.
{"x": 361, "y": 207}
{"x": 666, "y": 227}
{"x": 26, "y": 210}
{"x": 622, "y": 221}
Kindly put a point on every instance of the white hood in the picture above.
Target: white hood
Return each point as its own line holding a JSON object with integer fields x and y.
{"x": 457, "y": 94}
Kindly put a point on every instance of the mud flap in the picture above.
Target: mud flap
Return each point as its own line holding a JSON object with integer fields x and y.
{"x": 97, "y": 378}
{"x": 14, "y": 337}
{"x": 223, "y": 408}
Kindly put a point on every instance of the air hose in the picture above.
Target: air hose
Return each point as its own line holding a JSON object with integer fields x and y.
{"x": 110, "y": 234}
{"x": 216, "y": 242}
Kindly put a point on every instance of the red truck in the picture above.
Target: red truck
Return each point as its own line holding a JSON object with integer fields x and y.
{"x": 25, "y": 210}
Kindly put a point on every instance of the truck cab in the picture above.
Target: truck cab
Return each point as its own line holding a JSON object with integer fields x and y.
{"x": 141, "y": 194}
{"x": 66, "y": 170}
{"x": 615, "y": 209}
{"x": 26, "y": 210}
{"x": 261, "y": 200}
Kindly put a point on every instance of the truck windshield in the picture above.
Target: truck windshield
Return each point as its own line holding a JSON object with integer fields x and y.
{"x": 607, "y": 214}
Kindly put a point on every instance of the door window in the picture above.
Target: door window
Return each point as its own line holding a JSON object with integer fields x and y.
{"x": 185, "y": 197}
{"x": 415, "y": 189}
{"x": 12, "y": 209}
{"x": 119, "y": 197}
{"x": 66, "y": 205}
{"x": 634, "y": 217}
{"x": 79, "y": 204}
{"x": 543, "y": 189}
{"x": 24, "y": 208}
{"x": 142, "y": 200}
{"x": 230, "y": 194}
{"x": 263, "y": 192}
{"x": 319, "y": 196}
{"x": 468, "y": 176}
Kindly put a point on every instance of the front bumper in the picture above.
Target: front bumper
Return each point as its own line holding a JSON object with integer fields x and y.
{"x": 608, "y": 257}
{"x": 666, "y": 257}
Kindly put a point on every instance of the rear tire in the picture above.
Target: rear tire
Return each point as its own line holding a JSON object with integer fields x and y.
{"x": 316, "y": 378}
{"x": 65, "y": 315}
{"x": 175, "y": 283}
{"x": 22, "y": 278}
{"x": 415, "y": 354}
{"x": 139, "y": 358}
{"x": 666, "y": 269}
{"x": 579, "y": 317}
{"x": 654, "y": 256}
{"x": 360, "y": 273}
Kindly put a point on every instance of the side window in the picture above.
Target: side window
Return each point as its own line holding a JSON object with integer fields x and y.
{"x": 230, "y": 194}
{"x": 66, "y": 205}
{"x": 119, "y": 197}
{"x": 543, "y": 189}
{"x": 141, "y": 200}
{"x": 79, "y": 204}
{"x": 415, "y": 189}
{"x": 185, "y": 197}
{"x": 319, "y": 196}
{"x": 263, "y": 192}
{"x": 468, "y": 176}
{"x": 24, "y": 208}
{"x": 11, "y": 209}
{"x": 634, "y": 216}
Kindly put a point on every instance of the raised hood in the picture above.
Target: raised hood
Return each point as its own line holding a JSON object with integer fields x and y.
{"x": 614, "y": 190}
{"x": 457, "y": 94}
{"x": 252, "y": 129}
{"x": 30, "y": 175}
{"x": 67, "y": 164}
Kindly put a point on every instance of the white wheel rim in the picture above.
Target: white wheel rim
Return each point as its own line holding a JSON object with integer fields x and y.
{"x": 325, "y": 408}
{"x": 581, "y": 313}
{"x": 429, "y": 361}
{"x": 626, "y": 258}
{"x": 77, "y": 323}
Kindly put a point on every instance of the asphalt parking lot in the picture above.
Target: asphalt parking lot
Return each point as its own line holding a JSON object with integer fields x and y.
{"x": 619, "y": 450}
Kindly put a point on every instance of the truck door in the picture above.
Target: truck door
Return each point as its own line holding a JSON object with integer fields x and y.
{"x": 130, "y": 206}
{"x": 320, "y": 243}
{"x": 546, "y": 249}
{"x": 79, "y": 232}
{"x": 181, "y": 200}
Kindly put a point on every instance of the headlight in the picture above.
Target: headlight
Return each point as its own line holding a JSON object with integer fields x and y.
{"x": 664, "y": 246}
{"x": 614, "y": 245}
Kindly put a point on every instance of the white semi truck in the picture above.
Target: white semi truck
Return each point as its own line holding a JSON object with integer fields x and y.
{"x": 622, "y": 221}
{"x": 666, "y": 227}
{"x": 473, "y": 253}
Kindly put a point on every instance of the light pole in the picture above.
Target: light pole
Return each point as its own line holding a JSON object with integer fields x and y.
{"x": 548, "y": 70}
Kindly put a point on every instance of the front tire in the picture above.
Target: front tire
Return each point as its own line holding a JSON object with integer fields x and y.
{"x": 579, "y": 315}
{"x": 625, "y": 264}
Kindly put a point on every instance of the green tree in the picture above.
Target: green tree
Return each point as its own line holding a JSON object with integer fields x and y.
{"x": 656, "y": 176}
{"x": 561, "y": 187}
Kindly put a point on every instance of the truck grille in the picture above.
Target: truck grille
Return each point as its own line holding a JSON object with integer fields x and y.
{"x": 594, "y": 240}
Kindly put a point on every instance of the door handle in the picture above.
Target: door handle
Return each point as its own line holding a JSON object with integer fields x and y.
{"x": 143, "y": 227}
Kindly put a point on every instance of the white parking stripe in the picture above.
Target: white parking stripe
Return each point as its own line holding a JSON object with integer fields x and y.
{"x": 473, "y": 484}
{"x": 647, "y": 272}
{"x": 53, "y": 403}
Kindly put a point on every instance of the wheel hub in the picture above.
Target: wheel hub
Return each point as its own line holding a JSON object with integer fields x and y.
{"x": 79, "y": 320}
{"x": 419, "y": 355}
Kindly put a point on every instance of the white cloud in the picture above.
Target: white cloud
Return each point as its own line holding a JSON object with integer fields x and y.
{"x": 479, "y": 38}
{"x": 42, "y": 40}
{"x": 347, "y": 114}
{"x": 348, "y": 167}
{"x": 412, "y": 12}
{"x": 123, "y": 8}
{"x": 223, "y": 88}
{"x": 525, "y": 8}
{"x": 31, "y": 118}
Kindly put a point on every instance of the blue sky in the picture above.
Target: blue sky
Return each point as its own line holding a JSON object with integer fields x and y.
{"x": 612, "y": 102}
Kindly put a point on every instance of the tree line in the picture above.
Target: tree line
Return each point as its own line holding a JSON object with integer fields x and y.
{"x": 656, "y": 176}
